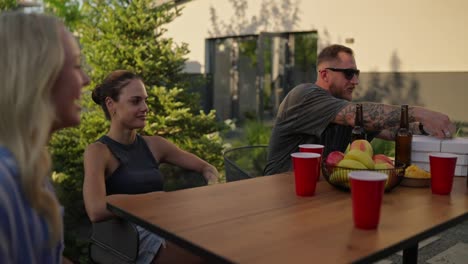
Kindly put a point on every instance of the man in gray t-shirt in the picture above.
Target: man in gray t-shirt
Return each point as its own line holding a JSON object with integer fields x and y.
{"x": 305, "y": 117}
{"x": 322, "y": 113}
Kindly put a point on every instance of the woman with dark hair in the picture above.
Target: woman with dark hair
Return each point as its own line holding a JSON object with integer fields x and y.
{"x": 124, "y": 162}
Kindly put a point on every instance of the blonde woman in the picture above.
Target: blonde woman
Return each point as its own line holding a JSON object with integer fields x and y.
{"x": 40, "y": 86}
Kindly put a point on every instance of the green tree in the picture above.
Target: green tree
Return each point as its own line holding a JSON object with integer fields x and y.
{"x": 118, "y": 34}
{"x": 68, "y": 10}
{"x": 8, "y": 5}
{"x": 123, "y": 34}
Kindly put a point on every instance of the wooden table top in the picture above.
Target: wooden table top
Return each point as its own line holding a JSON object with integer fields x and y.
{"x": 261, "y": 220}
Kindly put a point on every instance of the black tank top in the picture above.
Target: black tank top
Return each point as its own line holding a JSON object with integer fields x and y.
{"x": 138, "y": 171}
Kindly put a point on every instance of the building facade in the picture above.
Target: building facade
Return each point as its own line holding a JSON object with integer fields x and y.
{"x": 254, "y": 52}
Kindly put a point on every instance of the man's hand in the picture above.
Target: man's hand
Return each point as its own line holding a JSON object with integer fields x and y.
{"x": 435, "y": 124}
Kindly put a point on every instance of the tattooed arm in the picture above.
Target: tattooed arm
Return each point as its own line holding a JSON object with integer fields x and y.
{"x": 390, "y": 133}
{"x": 377, "y": 117}
{"x": 386, "y": 118}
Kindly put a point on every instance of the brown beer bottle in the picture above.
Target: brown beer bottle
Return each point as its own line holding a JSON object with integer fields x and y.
{"x": 403, "y": 139}
{"x": 358, "y": 131}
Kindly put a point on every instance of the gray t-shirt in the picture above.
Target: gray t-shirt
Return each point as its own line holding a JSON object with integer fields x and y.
{"x": 304, "y": 117}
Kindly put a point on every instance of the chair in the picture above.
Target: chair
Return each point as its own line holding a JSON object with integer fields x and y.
{"x": 245, "y": 162}
{"x": 181, "y": 178}
{"x": 113, "y": 241}
{"x": 116, "y": 240}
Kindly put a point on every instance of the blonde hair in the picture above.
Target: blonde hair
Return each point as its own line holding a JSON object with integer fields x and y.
{"x": 31, "y": 58}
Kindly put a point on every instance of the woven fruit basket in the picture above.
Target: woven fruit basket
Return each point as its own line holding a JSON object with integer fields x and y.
{"x": 338, "y": 176}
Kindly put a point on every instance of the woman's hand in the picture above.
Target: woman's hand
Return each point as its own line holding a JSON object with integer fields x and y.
{"x": 211, "y": 174}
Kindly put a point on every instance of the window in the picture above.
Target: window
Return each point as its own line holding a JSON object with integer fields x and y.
{"x": 250, "y": 75}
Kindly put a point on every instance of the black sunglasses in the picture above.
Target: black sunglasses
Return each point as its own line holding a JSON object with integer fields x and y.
{"x": 348, "y": 73}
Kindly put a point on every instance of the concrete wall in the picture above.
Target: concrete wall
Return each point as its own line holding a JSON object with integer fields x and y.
{"x": 426, "y": 40}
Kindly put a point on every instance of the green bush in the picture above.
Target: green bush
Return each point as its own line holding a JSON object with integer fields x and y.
{"x": 257, "y": 133}
{"x": 251, "y": 132}
{"x": 461, "y": 128}
{"x": 251, "y": 160}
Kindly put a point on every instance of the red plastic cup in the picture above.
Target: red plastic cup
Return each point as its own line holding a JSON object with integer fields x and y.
{"x": 305, "y": 172}
{"x": 367, "y": 189}
{"x": 314, "y": 148}
{"x": 442, "y": 172}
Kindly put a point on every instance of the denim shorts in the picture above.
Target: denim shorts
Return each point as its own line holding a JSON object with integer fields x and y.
{"x": 150, "y": 243}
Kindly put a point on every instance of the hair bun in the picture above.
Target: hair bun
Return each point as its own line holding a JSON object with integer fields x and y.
{"x": 96, "y": 95}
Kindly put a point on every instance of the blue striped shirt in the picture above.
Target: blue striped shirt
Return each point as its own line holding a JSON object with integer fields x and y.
{"x": 24, "y": 236}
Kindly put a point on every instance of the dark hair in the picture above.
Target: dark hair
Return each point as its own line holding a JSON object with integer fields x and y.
{"x": 111, "y": 87}
{"x": 330, "y": 53}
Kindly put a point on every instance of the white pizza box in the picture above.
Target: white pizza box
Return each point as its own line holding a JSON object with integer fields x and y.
{"x": 416, "y": 156}
{"x": 455, "y": 145}
{"x": 425, "y": 144}
{"x": 460, "y": 170}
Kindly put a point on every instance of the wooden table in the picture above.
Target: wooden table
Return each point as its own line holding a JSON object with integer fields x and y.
{"x": 261, "y": 220}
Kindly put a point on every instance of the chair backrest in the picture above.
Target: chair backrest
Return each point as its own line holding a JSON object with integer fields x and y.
{"x": 245, "y": 162}
{"x": 117, "y": 240}
{"x": 114, "y": 241}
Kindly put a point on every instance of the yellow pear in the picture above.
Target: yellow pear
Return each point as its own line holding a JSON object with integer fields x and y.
{"x": 361, "y": 157}
{"x": 347, "y": 148}
{"x": 383, "y": 166}
{"x": 362, "y": 145}
{"x": 351, "y": 164}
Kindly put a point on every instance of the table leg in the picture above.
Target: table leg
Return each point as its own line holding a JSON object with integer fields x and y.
{"x": 410, "y": 255}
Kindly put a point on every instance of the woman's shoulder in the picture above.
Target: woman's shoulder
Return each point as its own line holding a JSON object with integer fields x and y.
{"x": 9, "y": 178}
{"x": 154, "y": 139}
{"x": 8, "y": 165}
{"x": 160, "y": 145}
{"x": 96, "y": 146}
{"x": 6, "y": 155}
{"x": 96, "y": 149}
